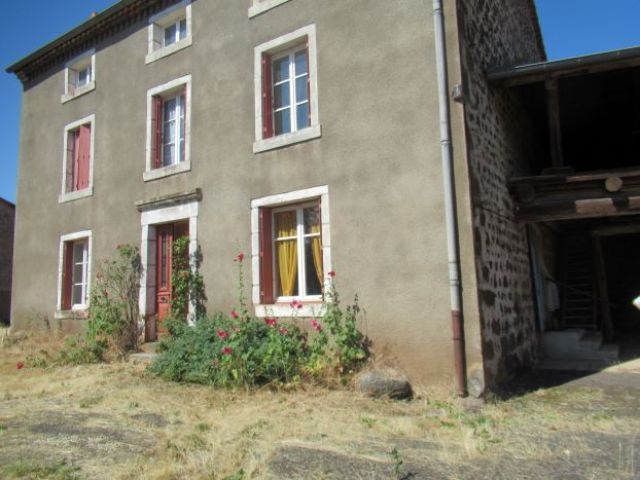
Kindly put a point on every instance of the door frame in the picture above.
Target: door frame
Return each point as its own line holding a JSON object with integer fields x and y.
{"x": 149, "y": 219}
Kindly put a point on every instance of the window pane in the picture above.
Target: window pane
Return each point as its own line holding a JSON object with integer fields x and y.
{"x": 302, "y": 90}
{"x": 282, "y": 121}
{"x": 281, "y": 70}
{"x": 169, "y": 109}
{"x": 303, "y": 115}
{"x": 168, "y": 155}
{"x": 84, "y": 76}
{"x": 170, "y": 34}
{"x": 183, "y": 28}
{"x": 77, "y": 295}
{"x": 312, "y": 220}
{"x": 281, "y": 95}
{"x": 301, "y": 62}
{"x": 286, "y": 268}
{"x": 313, "y": 265}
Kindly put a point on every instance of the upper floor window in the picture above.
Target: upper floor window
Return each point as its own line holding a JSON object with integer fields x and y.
{"x": 168, "y": 129}
{"x": 286, "y": 90}
{"x": 77, "y": 169}
{"x": 79, "y": 76}
{"x": 169, "y": 31}
{"x": 261, "y": 6}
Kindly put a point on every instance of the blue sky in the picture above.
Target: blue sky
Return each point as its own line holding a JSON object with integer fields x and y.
{"x": 570, "y": 28}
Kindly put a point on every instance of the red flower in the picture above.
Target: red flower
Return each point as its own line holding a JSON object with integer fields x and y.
{"x": 283, "y": 331}
{"x": 20, "y": 365}
{"x": 316, "y": 326}
{"x": 239, "y": 257}
{"x": 222, "y": 334}
{"x": 272, "y": 322}
{"x": 332, "y": 274}
{"x": 234, "y": 314}
{"x": 227, "y": 350}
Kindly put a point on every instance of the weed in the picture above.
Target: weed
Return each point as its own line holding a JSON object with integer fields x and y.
{"x": 239, "y": 475}
{"x": 203, "y": 427}
{"x": 30, "y": 470}
{"x": 398, "y": 463}
{"x": 367, "y": 421}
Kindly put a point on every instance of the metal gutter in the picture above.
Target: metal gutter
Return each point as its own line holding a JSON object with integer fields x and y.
{"x": 455, "y": 285}
{"x": 535, "y": 72}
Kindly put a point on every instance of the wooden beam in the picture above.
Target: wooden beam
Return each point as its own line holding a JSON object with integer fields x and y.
{"x": 553, "y": 116}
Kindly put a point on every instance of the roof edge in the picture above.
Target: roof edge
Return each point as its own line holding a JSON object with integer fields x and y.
{"x": 535, "y": 19}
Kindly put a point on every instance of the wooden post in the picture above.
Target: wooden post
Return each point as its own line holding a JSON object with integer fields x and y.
{"x": 603, "y": 292}
{"x": 553, "y": 115}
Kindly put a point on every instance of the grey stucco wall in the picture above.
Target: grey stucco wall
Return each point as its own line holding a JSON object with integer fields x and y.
{"x": 498, "y": 33}
{"x": 379, "y": 155}
{"x": 7, "y": 219}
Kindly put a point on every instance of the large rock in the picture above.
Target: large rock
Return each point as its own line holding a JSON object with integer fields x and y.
{"x": 384, "y": 383}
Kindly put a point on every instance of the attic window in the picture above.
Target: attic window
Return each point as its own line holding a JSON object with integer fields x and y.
{"x": 169, "y": 31}
{"x": 79, "y": 76}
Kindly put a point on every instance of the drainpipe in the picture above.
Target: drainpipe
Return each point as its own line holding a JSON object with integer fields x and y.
{"x": 450, "y": 201}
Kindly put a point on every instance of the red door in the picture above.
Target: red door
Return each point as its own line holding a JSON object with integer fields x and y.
{"x": 165, "y": 235}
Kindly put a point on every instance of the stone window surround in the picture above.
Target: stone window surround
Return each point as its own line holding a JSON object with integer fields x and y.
{"x": 261, "y": 6}
{"x": 67, "y": 96}
{"x": 276, "y": 45}
{"x": 70, "y": 237}
{"x": 309, "y": 309}
{"x": 161, "y": 19}
{"x": 86, "y": 192}
{"x": 151, "y": 173}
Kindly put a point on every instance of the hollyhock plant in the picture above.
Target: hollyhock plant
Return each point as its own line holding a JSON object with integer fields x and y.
{"x": 283, "y": 331}
{"x": 234, "y": 314}
{"x": 316, "y": 325}
{"x": 227, "y": 350}
{"x": 239, "y": 257}
{"x": 332, "y": 274}
{"x": 222, "y": 334}
{"x": 272, "y": 322}
{"x": 296, "y": 304}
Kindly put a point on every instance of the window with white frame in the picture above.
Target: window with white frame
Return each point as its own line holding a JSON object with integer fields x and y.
{"x": 169, "y": 31}
{"x": 261, "y": 6}
{"x": 286, "y": 90}
{"x": 168, "y": 128}
{"x": 75, "y": 267}
{"x": 77, "y": 165}
{"x": 79, "y": 76}
{"x": 291, "y": 249}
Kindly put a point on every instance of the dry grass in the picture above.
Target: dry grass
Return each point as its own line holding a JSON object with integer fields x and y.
{"x": 200, "y": 433}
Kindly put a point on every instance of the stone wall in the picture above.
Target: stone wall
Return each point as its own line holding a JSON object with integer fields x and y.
{"x": 7, "y": 216}
{"x": 499, "y": 33}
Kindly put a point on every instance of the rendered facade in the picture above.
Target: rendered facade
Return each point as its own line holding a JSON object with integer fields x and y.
{"x": 297, "y": 132}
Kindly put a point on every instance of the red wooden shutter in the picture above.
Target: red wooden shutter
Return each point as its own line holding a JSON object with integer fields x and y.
{"x": 266, "y": 257}
{"x": 267, "y": 101}
{"x": 84, "y": 157}
{"x": 308, "y": 84}
{"x": 67, "y": 276}
{"x": 156, "y": 121}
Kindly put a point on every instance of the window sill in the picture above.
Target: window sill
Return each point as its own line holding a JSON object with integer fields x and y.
{"x": 89, "y": 87}
{"x": 71, "y": 196}
{"x": 166, "y": 51}
{"x": 263, "y": 6}
{"x": 80, "y": 314}
{"x": 163, "y": 172}
{"x": 285, "y": 310}
{"x": 287, "y": 139}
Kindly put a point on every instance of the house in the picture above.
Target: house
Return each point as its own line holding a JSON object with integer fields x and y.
{"x": 7, "y": 220}
{"x": 360, "y": 136}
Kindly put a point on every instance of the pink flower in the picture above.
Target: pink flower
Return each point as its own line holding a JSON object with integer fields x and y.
{"x": 316, "y": 326}
{"x": 332, "y": 274}
{"x": 283, "y": 331}
{"x": 296, "y": 304}
{"x": 222, "y": 334}
{"x": 234, "y": 314}
{"x": 239, "y": 257}
{"x": 227, "y": 350}
{"x": 20, "y": 365}
{"x": 272, "y": 322}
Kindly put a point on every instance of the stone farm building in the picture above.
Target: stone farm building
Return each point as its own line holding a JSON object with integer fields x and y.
{"x": 7, "y": 219}
{"x": 400, "y": 144}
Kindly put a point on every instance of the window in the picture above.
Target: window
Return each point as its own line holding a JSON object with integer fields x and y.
{"x": 261, "y": 6}
{"x": 168, "y": 129}
{"x": 78, "y": 160}
{"x": 169, "y": 31}
{"x": 79, "y": 76}
{"x": 74, "y": 273}
{"x": 286, "y": 90}
{"x": 291, "y": 250}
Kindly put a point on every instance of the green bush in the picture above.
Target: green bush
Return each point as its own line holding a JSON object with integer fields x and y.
{"x": 241, "y": 350}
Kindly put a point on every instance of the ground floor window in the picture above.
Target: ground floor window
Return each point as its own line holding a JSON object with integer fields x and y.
{"x": 75, "y": 272}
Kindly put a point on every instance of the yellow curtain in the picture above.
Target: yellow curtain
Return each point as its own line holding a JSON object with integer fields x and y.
{"x": 287, "y": 252}
{"x": 316, "y": 248}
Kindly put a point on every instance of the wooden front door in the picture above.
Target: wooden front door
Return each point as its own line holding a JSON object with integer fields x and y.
{"x": 165, "y": 236}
